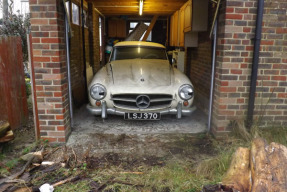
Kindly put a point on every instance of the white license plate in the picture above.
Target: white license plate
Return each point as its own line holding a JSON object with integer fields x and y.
{"x": 142, "y": 116}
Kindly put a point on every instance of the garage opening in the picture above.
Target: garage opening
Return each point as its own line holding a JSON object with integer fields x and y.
{"x": 185, "y": 35}
{"x": 96, "y": 26}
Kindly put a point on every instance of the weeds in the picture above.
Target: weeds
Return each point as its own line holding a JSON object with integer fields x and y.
{"x": 26, "y": 150}
{"x": 80, "y": 186}
{"x": 239, "y": 131}
{"x": 271, "y": 134}
{"x": 12, "y": 163}
{"x": 2, "y": 157}
{"x": 175, "y": 176}
{"x": 213, "y": 168}
{"x": 274, "y": 134}
{"x": 50, "y": 177}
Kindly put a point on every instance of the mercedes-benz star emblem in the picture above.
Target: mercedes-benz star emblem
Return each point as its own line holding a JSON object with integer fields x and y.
{"x": 143, "y": 101}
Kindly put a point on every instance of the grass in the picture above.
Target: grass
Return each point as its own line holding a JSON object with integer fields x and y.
{"x": 275, "y": 134}
{"x": 271, "y": 134}
{"x": 213, "y": 168}
{"x": 26, "y": 150}
{"x": 175, "y": 176}
{"x": 12, "y": 163}
{"x": 10, "y": 158}
{"x": 182, "y": 175}
{"x": 80, "y": 186}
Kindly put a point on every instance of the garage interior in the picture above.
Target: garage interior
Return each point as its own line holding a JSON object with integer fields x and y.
{"x": 169, "y": 23}
{"x": 183, "y": 26}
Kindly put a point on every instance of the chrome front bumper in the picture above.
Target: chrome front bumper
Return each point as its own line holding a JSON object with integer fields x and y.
{"x": 104, "y": 111}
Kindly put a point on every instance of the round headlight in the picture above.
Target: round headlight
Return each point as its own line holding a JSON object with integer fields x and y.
{"x": 98, "y": 92}
{"x": 185, "y": 92}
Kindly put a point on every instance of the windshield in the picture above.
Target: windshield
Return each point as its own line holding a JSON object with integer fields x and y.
{"x": 121, "y": 53}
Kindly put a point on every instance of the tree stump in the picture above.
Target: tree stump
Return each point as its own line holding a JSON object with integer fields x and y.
{"x": 238, "y": 175}
{"x": 262, "y": 168}
{"x": 268, "y": 166}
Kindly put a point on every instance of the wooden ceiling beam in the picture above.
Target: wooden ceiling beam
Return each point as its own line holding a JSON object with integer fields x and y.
{"x": 130, "y": 7}
{"x": 150, "y": 27}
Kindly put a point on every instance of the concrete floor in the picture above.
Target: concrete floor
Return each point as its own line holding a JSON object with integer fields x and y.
{"x": 115, "y": 134}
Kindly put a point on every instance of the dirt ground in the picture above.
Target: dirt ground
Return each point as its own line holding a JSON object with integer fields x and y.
{"x": 139, "y": 138}
{"x": 96, "y": 164}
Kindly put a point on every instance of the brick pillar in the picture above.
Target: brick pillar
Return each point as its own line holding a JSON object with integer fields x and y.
{"x": 49, "y": 56}
{"x": 234, "y": 61}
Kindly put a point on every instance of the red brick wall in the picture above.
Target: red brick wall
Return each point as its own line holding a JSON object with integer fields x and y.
{"x": 49, "y": 56}
{"x": 272, "y": 74}
{"x": 234, "y": 60}
{"x": 200, "y": 61}
{"x": 200, "y": 69}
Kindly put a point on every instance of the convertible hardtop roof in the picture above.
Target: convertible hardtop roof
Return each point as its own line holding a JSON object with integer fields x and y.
{"x": 139, "y": 43}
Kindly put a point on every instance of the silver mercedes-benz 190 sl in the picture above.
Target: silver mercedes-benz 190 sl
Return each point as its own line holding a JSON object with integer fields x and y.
{"x": 139, "y": 83}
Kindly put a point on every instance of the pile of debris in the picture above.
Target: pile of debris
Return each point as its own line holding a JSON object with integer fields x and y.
{"x": 261, "y": 168}
{"x": 38, "y": 167}
{"x": 6, "y": 134}
{"x": 49, "y": 167}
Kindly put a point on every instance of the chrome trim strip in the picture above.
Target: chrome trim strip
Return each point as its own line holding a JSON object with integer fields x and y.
{"x": 114, "y": 111}
{"x": 159, "y": 100}
{"x": 123, "y": 99}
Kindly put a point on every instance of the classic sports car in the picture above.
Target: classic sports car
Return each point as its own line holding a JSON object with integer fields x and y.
{"x": 139, "y": 83}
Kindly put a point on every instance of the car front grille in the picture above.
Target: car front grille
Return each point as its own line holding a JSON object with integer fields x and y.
{"x": 142, "y": 101}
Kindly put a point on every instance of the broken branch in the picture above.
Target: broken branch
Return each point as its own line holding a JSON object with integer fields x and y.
{"x": 71, "y": 179}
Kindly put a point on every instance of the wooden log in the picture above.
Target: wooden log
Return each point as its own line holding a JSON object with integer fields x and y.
{"x": 268, "y": 166}
{"x": 8, "y": 137}
{"x": 262, "y": 168}
{"x": 4, "y": 127}
{"x": 38, "y": 156}
{"x": 238, "y": 176}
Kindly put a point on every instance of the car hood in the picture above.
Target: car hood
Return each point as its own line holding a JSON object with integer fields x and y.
{"x": 141, "y": 72}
